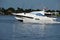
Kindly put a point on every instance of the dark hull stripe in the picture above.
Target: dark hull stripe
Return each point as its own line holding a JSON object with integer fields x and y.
{"x": 20, "y": 20}
{"x": 24, "y": 16}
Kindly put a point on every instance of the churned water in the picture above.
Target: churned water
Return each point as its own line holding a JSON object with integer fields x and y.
{"x": 11, "y": 29}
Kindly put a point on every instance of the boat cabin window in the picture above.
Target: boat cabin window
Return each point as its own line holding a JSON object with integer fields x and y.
{"x": 39, "y": 14}
{"x": 24, "y": 16}
{"x": 37, "y": 19}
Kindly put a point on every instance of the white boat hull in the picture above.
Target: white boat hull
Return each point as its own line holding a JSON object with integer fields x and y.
{"x": 43, "y": 20}
{"x": 35, "y": 17}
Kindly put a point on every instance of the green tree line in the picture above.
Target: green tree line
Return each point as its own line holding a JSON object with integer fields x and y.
{"x": 11, "y": 10}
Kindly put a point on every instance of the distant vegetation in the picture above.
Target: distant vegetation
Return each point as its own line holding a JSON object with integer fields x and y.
{"x": 11, "y": 10}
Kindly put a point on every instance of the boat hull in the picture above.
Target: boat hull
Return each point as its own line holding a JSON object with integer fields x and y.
{"x": 42, "y": 20}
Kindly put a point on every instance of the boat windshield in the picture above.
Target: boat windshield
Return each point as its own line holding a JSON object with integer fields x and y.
{"x": 39, "y": 14}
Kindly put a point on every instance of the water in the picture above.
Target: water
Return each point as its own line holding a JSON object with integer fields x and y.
{"x": 11, "y": 29}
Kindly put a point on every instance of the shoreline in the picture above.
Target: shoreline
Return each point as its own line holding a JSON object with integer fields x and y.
{"x": 14, "y": 15}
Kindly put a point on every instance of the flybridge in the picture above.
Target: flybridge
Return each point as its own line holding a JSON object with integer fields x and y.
{"x": 39, "y": 13}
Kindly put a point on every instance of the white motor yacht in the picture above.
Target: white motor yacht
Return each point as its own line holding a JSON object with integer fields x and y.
{"x": 34, "y": 17}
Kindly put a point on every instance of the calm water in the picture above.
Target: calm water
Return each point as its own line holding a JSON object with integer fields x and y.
{"x": 11, "y": 29}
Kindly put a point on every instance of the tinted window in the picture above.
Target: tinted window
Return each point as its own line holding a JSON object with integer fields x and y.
{"x": 39, "y": 14}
